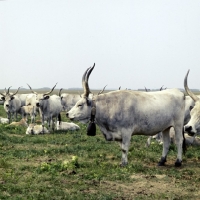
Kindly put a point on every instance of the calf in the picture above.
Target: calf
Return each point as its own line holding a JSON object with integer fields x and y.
{"x": 28, "y": 110}
{"x": 4, "y": 120}
{"x": 22, "y": 122}
{"x": 35, "y": 129}
{"x": 67, "y": 126}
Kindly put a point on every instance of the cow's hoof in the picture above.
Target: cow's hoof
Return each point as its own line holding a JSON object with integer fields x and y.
{"x": 123, "y": 164}
{"x": 178, "y": 163}
{"x": 162, "y": 161}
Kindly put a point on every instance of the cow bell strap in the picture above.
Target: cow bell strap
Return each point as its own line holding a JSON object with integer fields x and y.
{"x": 93, "y": 110}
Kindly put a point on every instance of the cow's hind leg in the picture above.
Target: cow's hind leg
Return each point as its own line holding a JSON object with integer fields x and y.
{"x": 166, "y": 144}
{"x": 179, "y": 144}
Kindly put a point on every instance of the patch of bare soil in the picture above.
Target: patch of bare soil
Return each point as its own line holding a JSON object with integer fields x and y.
{"x": 149, "y": 187}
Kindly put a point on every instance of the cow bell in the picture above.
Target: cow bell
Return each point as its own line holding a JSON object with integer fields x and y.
{"x": 91, "y": 129}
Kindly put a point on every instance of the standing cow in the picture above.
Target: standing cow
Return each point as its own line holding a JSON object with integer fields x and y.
{"x": 12, "y": 104}
{"x": 121, "y": 114}
{"x": 49, "y": 106}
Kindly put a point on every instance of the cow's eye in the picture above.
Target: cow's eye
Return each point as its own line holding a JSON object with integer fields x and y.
{"x": 79, "y": 105}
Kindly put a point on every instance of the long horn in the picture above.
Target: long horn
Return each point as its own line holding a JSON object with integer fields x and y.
{"x": 161, "y": 88}
{"x": 50, "y": 90}
{"x": 85, "y": 79}
{"x": 102, "y": 90}
{"x": 31, "y": 89}
{"x": 59, "y": 94}
{"x": 8, "y": 90}
{"x": 2, "y": 94}
{"x": 15, "y": 92}
{"x": 193, "y": 96}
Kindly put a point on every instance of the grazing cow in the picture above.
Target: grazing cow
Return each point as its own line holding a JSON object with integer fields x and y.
{"x": 50, "y": 107}
{"x": 22, "y": 122}
{"x": 12, "y": 104}
{"x": 4, "y": 120}
{"x": 193, "y": 125}
{"x": 28, "y": 110}
{"x": 123, "y": 113}
{"x": 34, "y": 129}
{"x": 67, "y": 126}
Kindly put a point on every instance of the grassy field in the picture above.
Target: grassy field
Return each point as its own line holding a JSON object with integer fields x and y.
{"x": 72, "y": 165}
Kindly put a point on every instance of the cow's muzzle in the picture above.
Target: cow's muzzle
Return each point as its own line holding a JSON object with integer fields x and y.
{"x": 188, "y": 129}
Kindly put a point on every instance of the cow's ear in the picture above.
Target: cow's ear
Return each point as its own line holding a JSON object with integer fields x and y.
{"x": 88, "y": 102}
{"x": 3, "y": 98}
{"x": 191, "y": 107}
{"x": 46, "y": 97}
{"x": 12, "y": 98}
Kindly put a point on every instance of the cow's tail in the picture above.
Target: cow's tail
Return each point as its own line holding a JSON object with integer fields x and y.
{"x": 59, "y": 118}
{"x": 184, "y": 142}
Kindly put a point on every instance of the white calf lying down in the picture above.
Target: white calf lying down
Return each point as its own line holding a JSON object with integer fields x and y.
{"x": 67, "y": 126}
{"x": 4, "y": 120}
{"x": 35, "y": 129}
{"x": 22, "y": 122}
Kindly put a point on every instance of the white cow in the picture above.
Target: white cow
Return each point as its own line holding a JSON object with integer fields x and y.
{"x": 123, "y": 113}
{"x": 50, "y": 107}
{"x": 69, "y": 100}
{"x": 12, "y": 104}
{"x": 193, "y": 125}
{"x": 4, "y": 120}
{"x": 67, "y": 126}
{"x": 35, "y": 129}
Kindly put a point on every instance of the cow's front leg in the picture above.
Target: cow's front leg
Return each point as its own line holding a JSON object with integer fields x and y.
{"x": 42, "y": 124}
{"x": 124, "y": 147}
{"x": 179, "y": 143}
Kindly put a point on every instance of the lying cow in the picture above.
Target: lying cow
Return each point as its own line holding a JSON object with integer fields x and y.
{"x": 189, "y": 140}
{"x": 4, "y": 120}
{"x": 22, "y": 122}
{"x": 35, "y": 129}
{"x": 67, "y": 126}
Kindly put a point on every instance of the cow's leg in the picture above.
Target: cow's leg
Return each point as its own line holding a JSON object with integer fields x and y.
{"x": 166, "y": 144}
{"x": 179, "y": 144}
{"x": 148, "y": 141}
{"x": 124, "y": 147}
{"x": 42, "y": 124}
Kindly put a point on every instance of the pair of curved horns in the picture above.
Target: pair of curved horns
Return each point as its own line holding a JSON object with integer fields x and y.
{"x": 8, "y": 92}
{"x": 189, "y": 92}
{"x": 85, "y": 79}
{"x": 43, "y": 94}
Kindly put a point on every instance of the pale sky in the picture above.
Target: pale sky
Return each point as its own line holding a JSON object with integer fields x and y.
{"x": 133, "y": 43}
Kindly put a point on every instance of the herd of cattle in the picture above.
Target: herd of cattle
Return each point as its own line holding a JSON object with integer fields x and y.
{"x": 46, "y": 106}
{"x": 119, "y": 114}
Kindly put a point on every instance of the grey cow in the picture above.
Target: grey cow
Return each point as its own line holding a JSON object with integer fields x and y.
{"x": 12, "y": 104}
{"x": 123, "y": 113}
{"x": 49, "y": 106}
